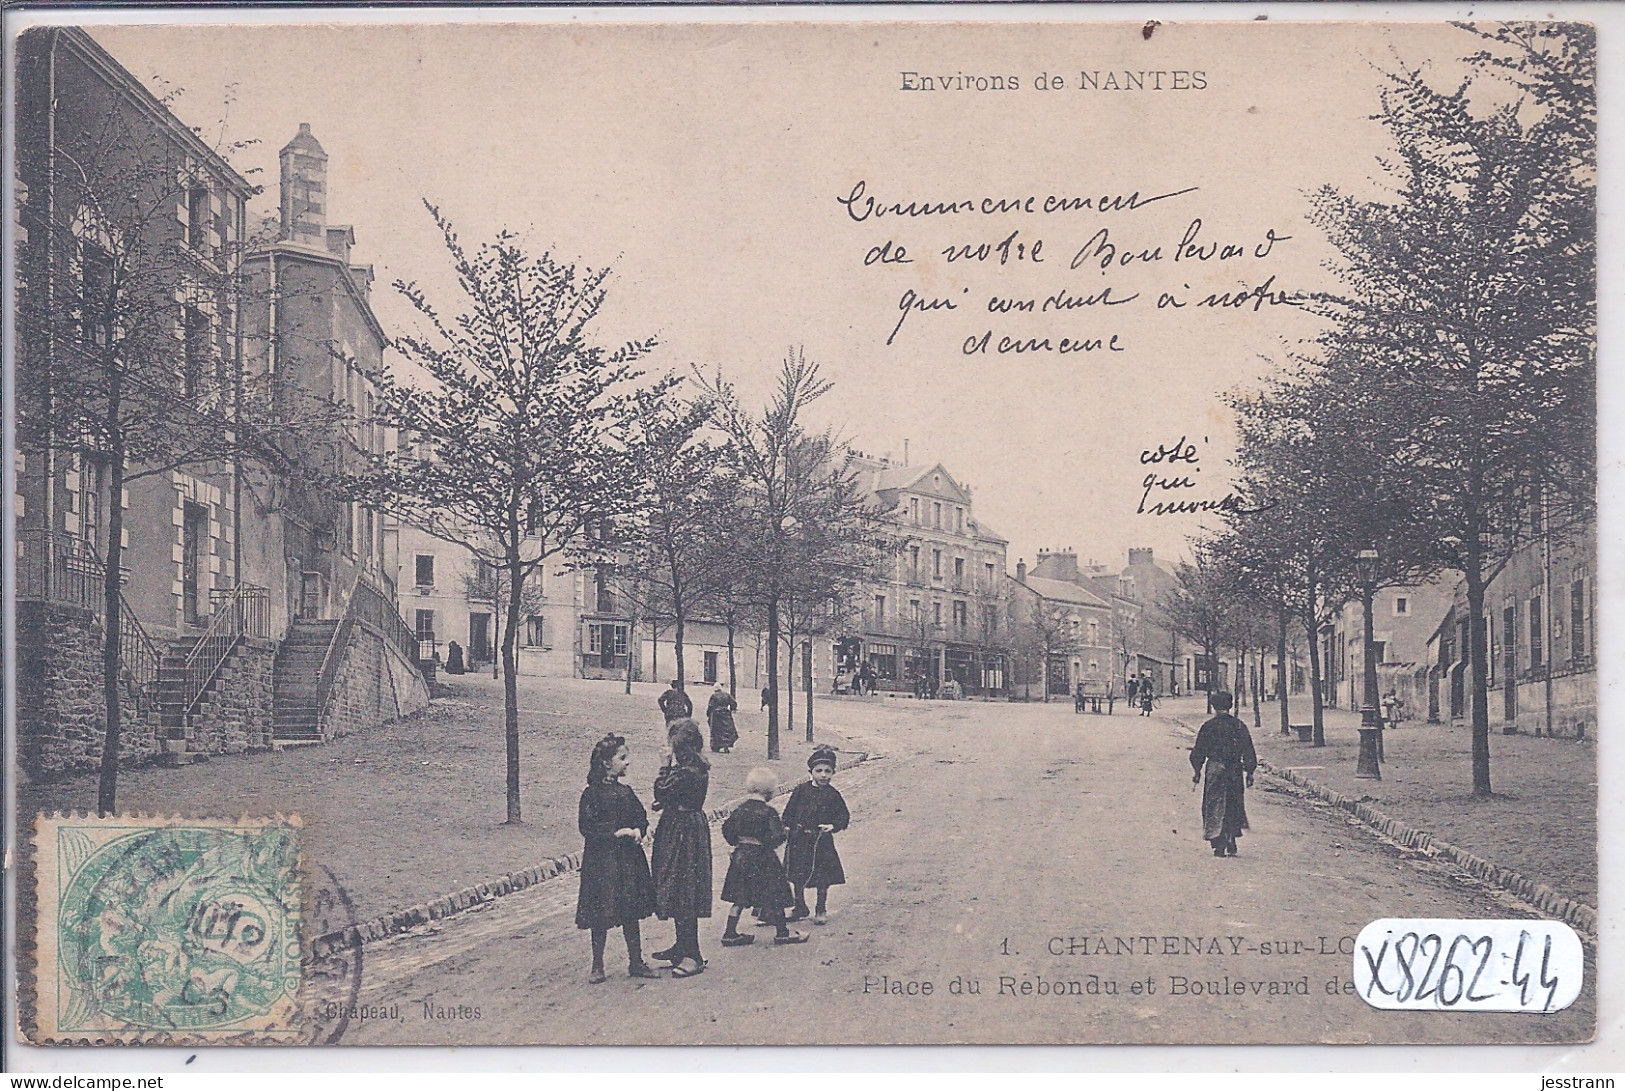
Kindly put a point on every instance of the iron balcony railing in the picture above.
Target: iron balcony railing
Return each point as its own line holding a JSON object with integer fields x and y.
{"x": 59, "y": 569}
{"x": 65, "y": 571}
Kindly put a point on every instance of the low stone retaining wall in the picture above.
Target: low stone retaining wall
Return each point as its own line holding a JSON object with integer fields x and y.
{"x": 61, "y": 713}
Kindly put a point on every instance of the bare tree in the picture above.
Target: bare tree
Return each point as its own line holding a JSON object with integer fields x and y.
{"x": 801, "y": 508}
{"x": 523, "y": 446}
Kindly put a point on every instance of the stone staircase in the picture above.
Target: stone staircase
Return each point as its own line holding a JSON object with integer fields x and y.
{"x": 170, "y": 699}
{"x": 298, "y": 716}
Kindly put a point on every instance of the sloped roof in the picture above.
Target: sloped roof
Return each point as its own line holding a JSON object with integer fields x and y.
{"x": 892, "y": 479}
{"x": 1065, "y": 591}
{"x": 987, "y": 533}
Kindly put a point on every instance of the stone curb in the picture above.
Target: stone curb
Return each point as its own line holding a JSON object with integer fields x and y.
{"x": 1569, "y": 910}
{"x": 460, "y": 901}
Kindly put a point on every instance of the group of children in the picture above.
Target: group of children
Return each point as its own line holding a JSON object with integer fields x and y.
{"x": 620, "y": 886}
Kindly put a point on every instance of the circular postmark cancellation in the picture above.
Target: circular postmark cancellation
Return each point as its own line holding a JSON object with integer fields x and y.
{"x": 332, "y": 975}
{"x": 161, "y": 929}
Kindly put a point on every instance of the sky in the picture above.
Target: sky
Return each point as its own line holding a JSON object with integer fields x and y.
{"x": 713, "y": 166}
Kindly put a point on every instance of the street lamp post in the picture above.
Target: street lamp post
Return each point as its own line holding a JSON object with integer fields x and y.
{"x": 1369, "y": 766}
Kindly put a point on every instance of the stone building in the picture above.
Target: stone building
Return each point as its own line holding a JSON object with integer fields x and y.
{"x": 131, "y": 235}
{"x": 1063, "y": 630}
{"x": 1541, "y": 634}
{"x": 158, "y": 286}
{"x": 313, "y": 343}
{"x": 939, "y": 609}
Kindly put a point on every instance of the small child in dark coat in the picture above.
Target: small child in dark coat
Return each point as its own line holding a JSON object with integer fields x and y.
{"x": 813, "y": 816}
{"x": 755, "y": 875}
{"x": 616, "y": 888}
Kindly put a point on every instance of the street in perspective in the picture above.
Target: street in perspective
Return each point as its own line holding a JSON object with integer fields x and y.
{"x": 1143, "y": 596}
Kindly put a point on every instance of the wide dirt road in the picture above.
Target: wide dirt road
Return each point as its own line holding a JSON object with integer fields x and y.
{"x": 1004, "y": 849}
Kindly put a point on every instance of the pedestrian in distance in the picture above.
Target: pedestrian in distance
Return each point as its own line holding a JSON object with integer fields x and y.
{"x": 1147, "y": 699}
{"x": 755, "y": 877}
{"x": 719, "y": 715}
{"x": 1225, "y": 748}
{"x": 1133, "y": 688}
{"x": 815, "y": 813}
{"x": 454, "y": 658}
{"x": 675, "y": 704}
{"x": 617, "y": 890}
{"x": 682, "y": 846}
{"x": 767, "y": 697}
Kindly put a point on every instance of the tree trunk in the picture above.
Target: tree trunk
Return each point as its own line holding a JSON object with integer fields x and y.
{"x": 112, "y": 619}
{"x": 807, "y": 684}
{"x": 677, "y": 644}
{"x": 1477, "y": 654}
{"x": 1280, "y": 669}
{"x": 772, "y": 677}
{"x": 510, "y": 682}
{"x": 789, "y": 681}
{"x": 1257, "y": 681}
{"x": 733, "y": 679}
{"x": 1316, "y": 700}
{"x": 632, "y": 628}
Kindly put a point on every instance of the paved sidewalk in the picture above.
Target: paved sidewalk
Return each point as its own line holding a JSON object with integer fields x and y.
{"x": 1541, "y": 821}
{"x": 414, "y": 809}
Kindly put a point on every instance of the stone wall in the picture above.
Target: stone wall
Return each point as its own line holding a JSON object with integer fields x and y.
{"x": 235, "y": 712}
{"x": 61, "y": 716}
{"x": 1574, "y": 706}
{"x": 372, "y": 685}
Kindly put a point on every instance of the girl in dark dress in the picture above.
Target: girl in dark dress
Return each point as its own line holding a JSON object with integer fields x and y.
{"x": 616, "y": 889}
{"x": 814, "y": 815}
{"x": 720, "y": 712}
{"x": 682, "y": 846}
{"x": 755, "y": 876}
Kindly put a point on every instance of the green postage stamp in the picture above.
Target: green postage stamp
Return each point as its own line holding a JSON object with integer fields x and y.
{"x": 158, "y": 929}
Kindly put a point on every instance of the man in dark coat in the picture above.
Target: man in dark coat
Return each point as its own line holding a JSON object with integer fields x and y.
{"x": 1225, "y": 747}
{"x": 675, "y": 704}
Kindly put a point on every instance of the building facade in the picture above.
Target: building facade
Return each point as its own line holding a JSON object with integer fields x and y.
{"x": 1063, "y": 630}
{"x": 1541, "y": 633}
{"x": 138, "y": 261}
{"x": 938, "y": 607}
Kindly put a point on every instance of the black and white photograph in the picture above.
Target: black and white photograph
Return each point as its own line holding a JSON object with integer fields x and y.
{"x": 825, "y": 529}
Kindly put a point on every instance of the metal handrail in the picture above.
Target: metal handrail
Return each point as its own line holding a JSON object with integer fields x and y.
{"x": 138, "y": 653}
{"x": 238, "y": 612}
{"x": 369, "y": 606}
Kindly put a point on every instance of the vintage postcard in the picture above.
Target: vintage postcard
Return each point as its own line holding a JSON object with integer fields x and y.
{"x": 771, "y": 531}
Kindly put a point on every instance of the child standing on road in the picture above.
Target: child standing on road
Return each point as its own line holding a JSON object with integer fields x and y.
{"x": 755, "y": 877}
{"x": 616, "y": 889}
{"x": 682, "y": 846}
{"x": 814, "y": 815}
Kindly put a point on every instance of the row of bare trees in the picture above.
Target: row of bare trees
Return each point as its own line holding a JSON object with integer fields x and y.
{"x": 526, "y": 442}
{"x": 1446, "y": 418}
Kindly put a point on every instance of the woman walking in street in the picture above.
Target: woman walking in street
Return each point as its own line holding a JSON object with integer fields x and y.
{"x": 719, "y": 713}
{"x": 682, "y": 846}
{"x": 1225, "y": 747}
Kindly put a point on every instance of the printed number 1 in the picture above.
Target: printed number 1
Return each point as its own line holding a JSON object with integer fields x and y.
{"x": 1004, "y": 945}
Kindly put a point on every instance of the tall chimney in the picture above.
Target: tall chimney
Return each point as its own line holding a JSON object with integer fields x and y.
{"x": 1021, "y": 571}
{"x": 304, "y": 190}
